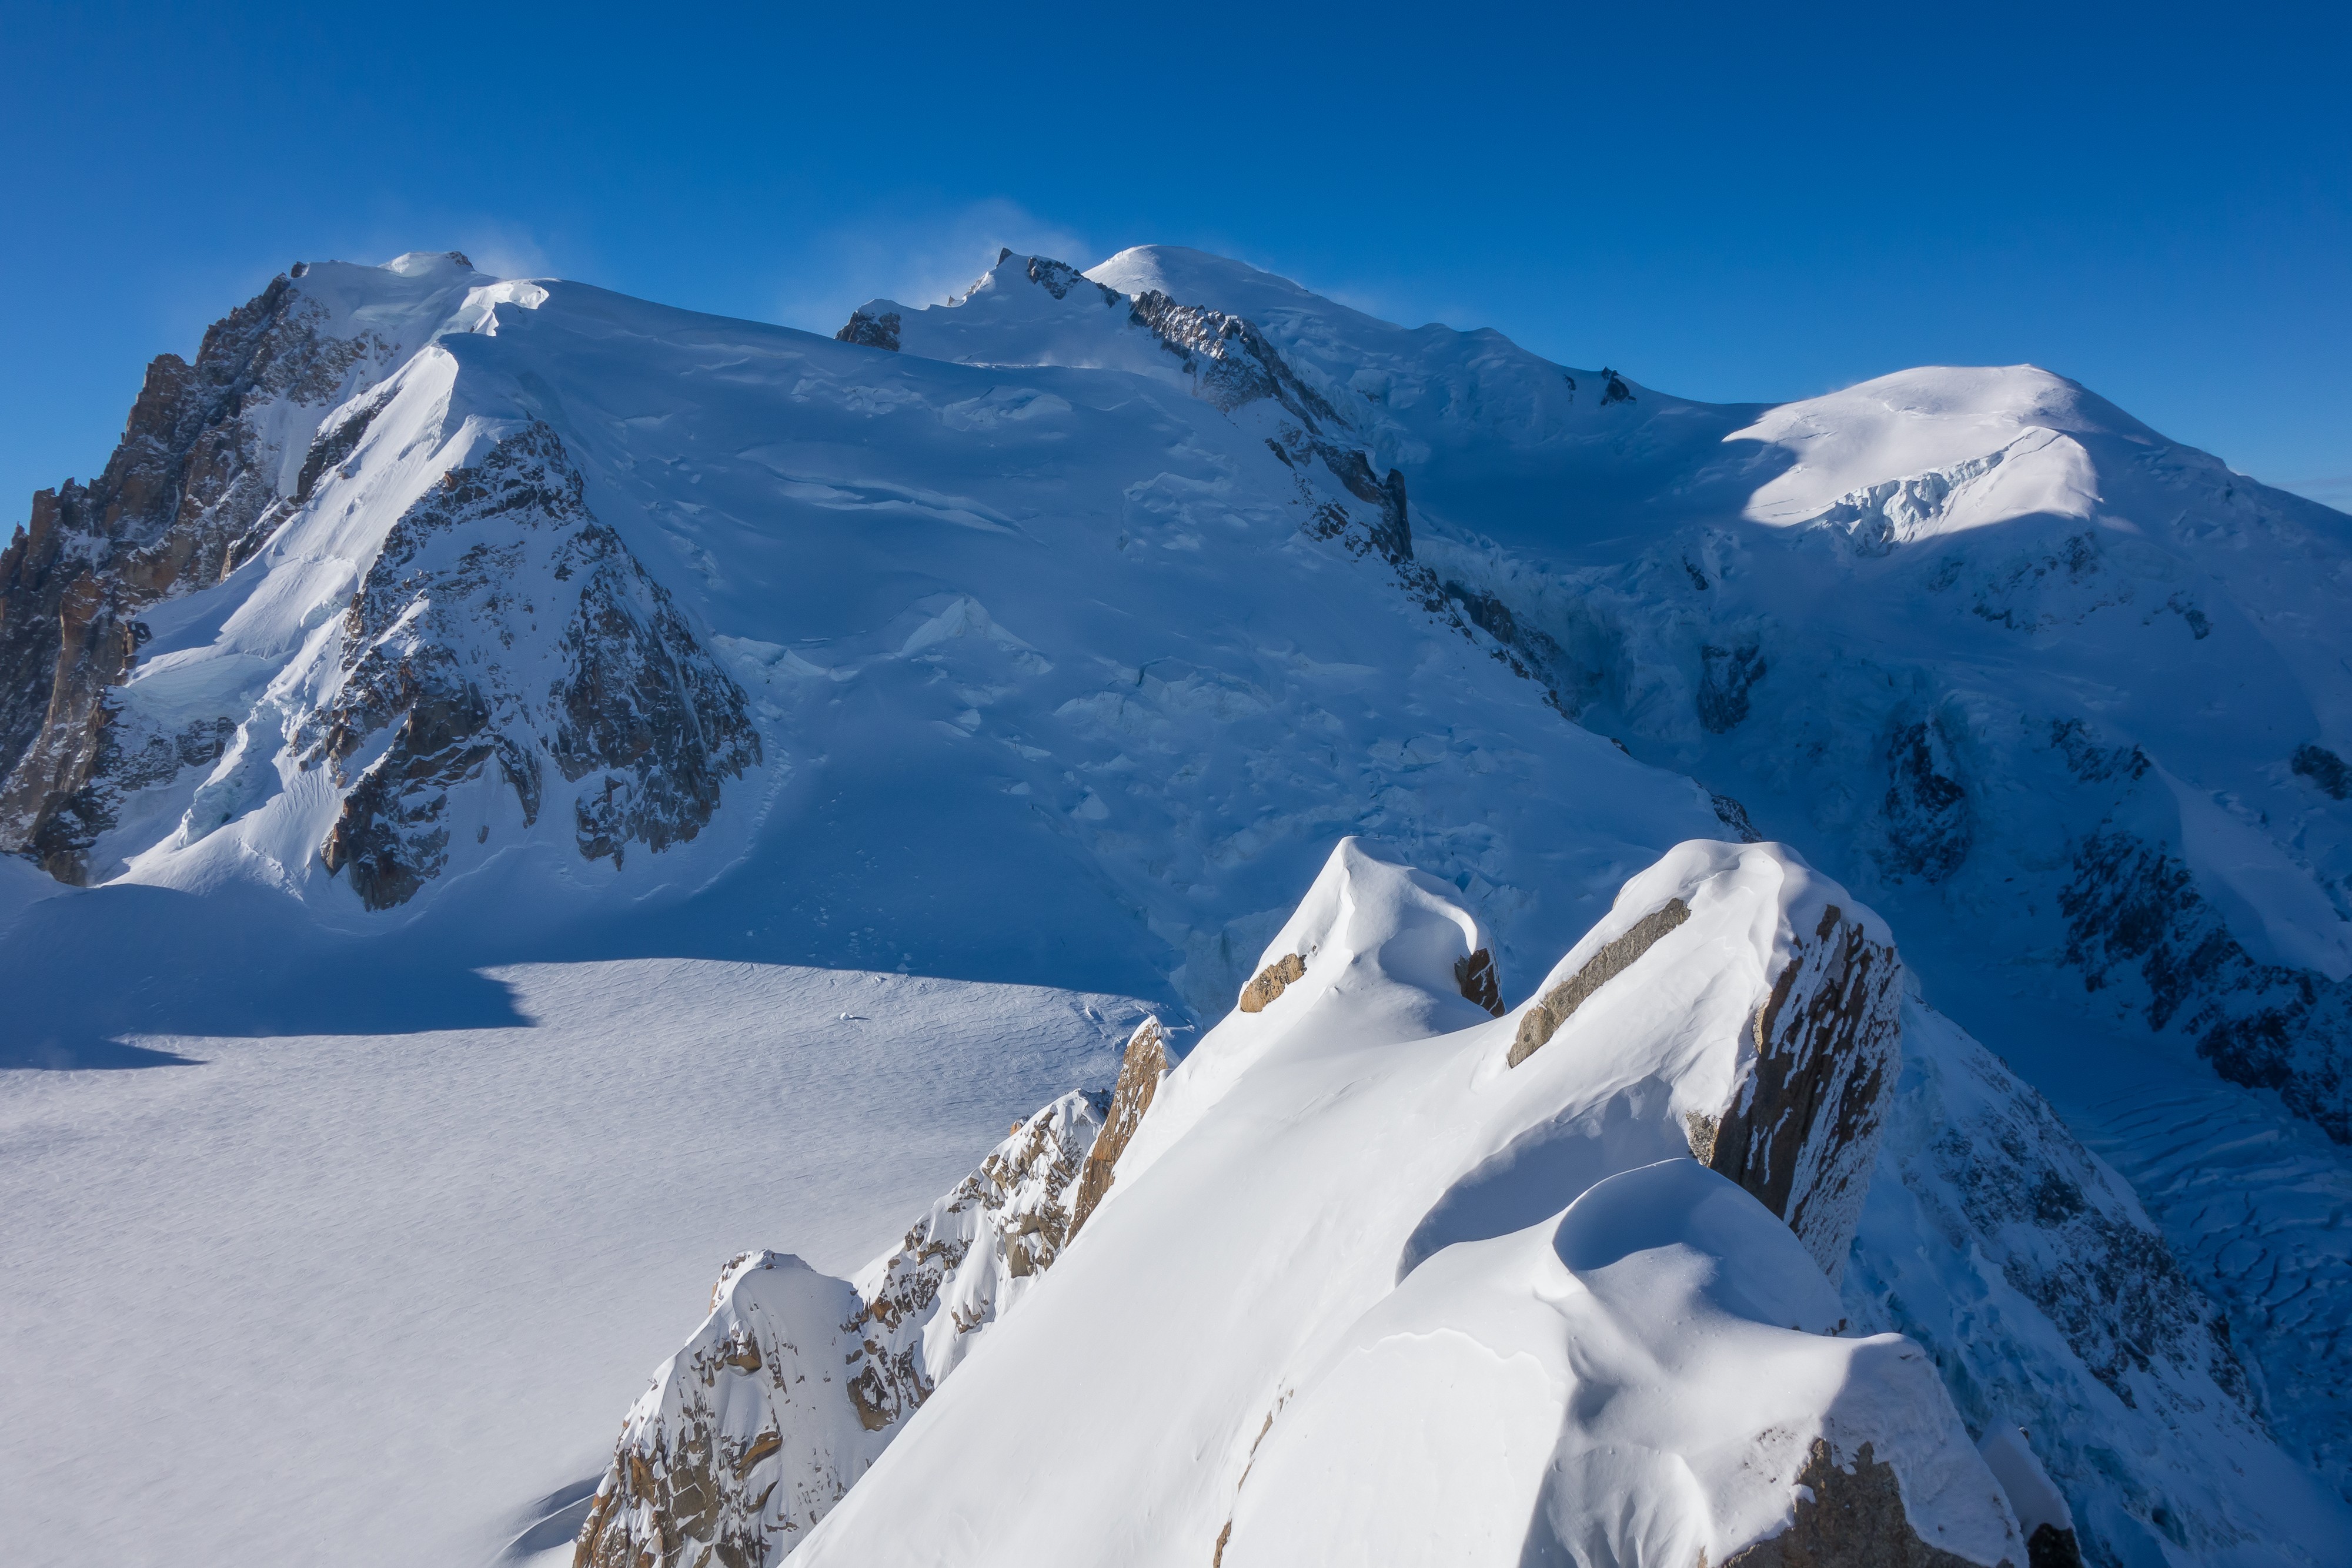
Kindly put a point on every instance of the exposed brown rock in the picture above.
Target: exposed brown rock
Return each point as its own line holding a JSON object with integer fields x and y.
{"x": 1476, "y": 977}
{"x": 1140, "y": 1072}
{"x": 1848, "y": 1519}
{"x": 1801, "y": 1130}
{"x": 1541, "y": 1021}
{"x": 680, "y": 1490}
{"x": 683, "y": 1488}
{"x": 189, "y": 494}
{"x": 1272, "y": 981}
{"x": 625, "y": 690}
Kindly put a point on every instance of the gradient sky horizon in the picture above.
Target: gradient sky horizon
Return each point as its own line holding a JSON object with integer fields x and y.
{"x": 1735, "y": 203}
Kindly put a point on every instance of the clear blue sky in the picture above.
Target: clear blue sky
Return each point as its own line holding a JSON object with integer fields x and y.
{"x": 1758, "y": 201}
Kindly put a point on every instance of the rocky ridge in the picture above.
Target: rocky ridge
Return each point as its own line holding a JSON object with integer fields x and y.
{"x": 444, "y": 672}
{"x": 499, "y": 633}
{"x": 2050, "y": 1301}
{"x": 734, "y": 1453}
{"x": 190, "y": 493}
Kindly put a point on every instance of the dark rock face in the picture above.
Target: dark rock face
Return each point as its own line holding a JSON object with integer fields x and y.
{"x": 1802, "y": 1128}
{"x": 1474, "y": 977}
{"x": 2111, "y": 1286}
{"x": 189, "y": 494}
{"x": 2051, "y": 1547}
{"x": 1058, "y": 277}
{"x": 1847, "y": 1518}
{"x": 1233, "y": 364}
{"x": 446, "y": 669}
{"x": 1270, "y": 982}
{"x": 1231, "y": 361}
{"x": 2134, "y": 919}
{"x": 1727, "y": 674}
{"x": 1928, "y": 830}
{"x": 2325, "y": 769}
{"x": 1557, "y": 1006}
{"x": 1613, "y": 387}
{"x": 872, "y": 331}
{"x": 1734, "y": 815}
{"x": 1140, "y": 1072}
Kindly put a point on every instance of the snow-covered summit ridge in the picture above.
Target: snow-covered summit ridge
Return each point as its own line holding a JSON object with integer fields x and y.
{"x": 1365, "y": 1114}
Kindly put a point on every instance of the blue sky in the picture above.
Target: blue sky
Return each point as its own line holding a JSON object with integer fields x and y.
{"x": 1726, "y": 202}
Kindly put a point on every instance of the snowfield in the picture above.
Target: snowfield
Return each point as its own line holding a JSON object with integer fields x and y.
{"x": 383, "y": 1298}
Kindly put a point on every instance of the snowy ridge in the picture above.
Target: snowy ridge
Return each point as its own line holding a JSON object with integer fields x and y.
{"x": 1278, "y": 1200}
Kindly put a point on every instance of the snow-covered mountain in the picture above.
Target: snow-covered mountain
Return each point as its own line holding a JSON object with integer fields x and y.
{"x": 430, "y": 620}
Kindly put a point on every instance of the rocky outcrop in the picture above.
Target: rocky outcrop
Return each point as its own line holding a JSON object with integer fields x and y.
{"x": 967, "y": 1260}
{"x": 1848, "y": 1517}
{"x": 1059, "y": 278}
{"x": 1140, "y": 1072}
{"x": 503, "y": 624}
{"x": 1233, "y": 364}
{"x": 797, "y": 1381}
{"x": 1557, "y": 1005}
{"x": 1269, "y": 983}
{"x": 873, "y": 331}
{"x": 2138, "y": 924}
{"x": 1727, "y": 674}
{"x": 2143, "y": 1407}
{"x": 2043, "y": 1516}
{"x": 747, "y": 1436}
{"x": 1801, "y": 1130}
{"x": 2325, "y": 769}
{"x": 1230, "y": 362}
{"x": 189, "y": 493}
{"x": 1474, "y": 975}
{"x": 1926, "y": 811}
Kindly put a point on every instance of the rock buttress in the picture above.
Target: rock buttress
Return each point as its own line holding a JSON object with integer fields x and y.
{"x": 1140, "y": 1072}
{"x": 1848, "y": 1519}
{"x": 1801, "y": 1131}
{"x": 796, "y": 1381}
{"x": 189, "y": 493}
{"x": 502, "y": 622}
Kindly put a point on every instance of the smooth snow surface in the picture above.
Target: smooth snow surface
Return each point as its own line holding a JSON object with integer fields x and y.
{"x": 372, "y": 1299}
